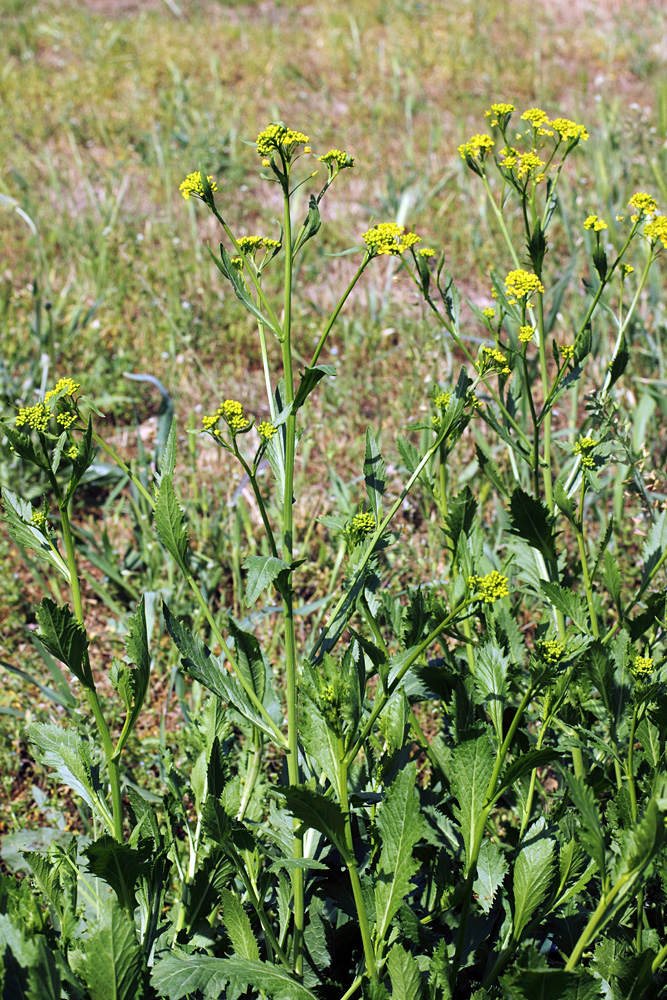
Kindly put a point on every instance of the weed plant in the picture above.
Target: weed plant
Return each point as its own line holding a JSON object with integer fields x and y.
{"x": 307, "y": 838}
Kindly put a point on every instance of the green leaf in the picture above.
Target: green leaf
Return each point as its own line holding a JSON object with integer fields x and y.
{"x": 619, "y": 363}
{"x": 470, "y": 768}
{"x": 65, "y": 638}
{"x": 591, "y": 833}
{"x": 461, "y": 516}
{"x": 119, "y": 865}
{"x": 263, "y": 572}
{"x": 406, "y": 980}
{"x": 409, "y": 454}
{"x": 311, "y": 225}
{"x": 75, "y": 760}
{"x": 201, "y": 664}
{"x": 112, "y": 966}
{"x": 237, "y": 925}
{"x": 533, "y": 872}
{"x": 176, "y": 976}
{"x": 170, "y": 523}
{"x": 375, "y": 475}
{"x": 17, "y": 517}
{"x": 400, "y": 825}
{"x": 600, "y": 262}
{"x": 572, "y": 606}
{"x": 654, "y": 546}
{"x": 225, "y": 266}
{"x": 550, "y": 984}
{"x": 491, "y": 870}
{"x": 249, "y": 658}
{"x": 316, "y": 812}
{"x": 611, "y": 577}
{"x": 530, "y": 519}
{"x": 491, "y": 667}
{"x": 168, "y": 457}
{"x": 564, "y": 502}
{"x": 310, "y": 377}
{"x": 43, "y": 976}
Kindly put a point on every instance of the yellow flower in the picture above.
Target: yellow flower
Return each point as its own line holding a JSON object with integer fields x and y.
{"x": 569, "y": 130}
{"x": 551, "y": 651}
{"x": 363, "y": 524}
{"x": 626, "y": 269}
{"x": 63, "y": 387}
{"x": 522, "y": 283}
{"x": 337, "y": 159}
{"x": 266, "y": 430}
{"x": 72, "y": 453}
{"x": 426, "y": 252}
{"x": 489, "y": 588}
{"x": 477, "y": 145}
{"x": 38, "y": 518}
{"x": 277, "y": 136}
{"x": 491, "y": 358}
{"x": 656, "y": 229}
{"x": 489, "y": 312}
{"x": 442, "y": 400}
{"x": 192, "y": 185}
{"x": 388, "y": 238}
{"x": 529, "y": 162}
{"x": 643, "y": 667}
{"x": 526, "y": 334}
{"x": 232, "y": 411}
{"x": 567, "y": 352}
{"x": 35, "y": 417}
{"x": 594, "y": 223}
{"x": 583, "y": 447}
{"x": 500, "y": 113}
{"x": 535, "y": 116}
{"x": 644, "y": 203}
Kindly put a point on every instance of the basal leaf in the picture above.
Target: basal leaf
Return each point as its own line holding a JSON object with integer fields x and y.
{"x": 550, "y": 984}
{"x": 119, "y": 865}
{"x": 400, "y": 825}
{"x": 113, "y": 963}
{"x": 178, "y": 975}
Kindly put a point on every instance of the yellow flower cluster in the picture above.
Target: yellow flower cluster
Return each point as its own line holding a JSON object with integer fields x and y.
{"x": 192, "y": 185}
{"x": 38, "y": 518}
{"x": 583, "y": 448}
{"x": 489, "y": 312}
{"x": 644, "y": 203}
{"x": 643, "y": 667}
{"x": 442, "y": 400}
{"x": 266, "y": 430}
{"x": 363, "y": 524}
{"x": 72, "y": 453}
{"x": 522, "y": 283}
{"x": 339, "y": 158}
{"x": 489, "y": 588}
{"x": 536, "y": 117}
{"x": 388, "y": 238}
{"x": 476, "y": 146}
{"x": 63, "y": 387}
{"x": 236, "y": 262}
{"x": 35, "y": 417}
{"x": 526, "y": 334}
{"x": 626, "y": 269}
{"x": 491, "y": 358}
{"x": 232, "y": 411}
{"x": 66, "y": 419}
{"x": 529, "y": 163}
{"x": 278, "y": 137}
{"x": 500, "y": 110}
{"x": 426, "y": 252}
{"x": 251, "y": 244}
{"x": 656, "y": 229}
{"x": 567, "y": 352}
{"x": 569, "y": 130}
{"x": 551, "y": 651}
{"x": 595, "y": 223}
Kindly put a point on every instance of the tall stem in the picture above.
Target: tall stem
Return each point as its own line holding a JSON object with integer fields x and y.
{"x": 288, "y": 608}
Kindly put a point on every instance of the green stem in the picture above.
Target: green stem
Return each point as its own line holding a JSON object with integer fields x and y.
{"x": 579, "y": 530}
{"x": 125, "y": 467}
{"x": 288, "y": 608}
{"x": 351, "y": 862}
{"x": 335, "y": 313}
{"x": 373, "y": 625}
{"x": 548, "y": 485}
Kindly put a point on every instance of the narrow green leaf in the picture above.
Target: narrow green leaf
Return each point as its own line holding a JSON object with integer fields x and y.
{"x": 533, "y": 872}
{"x": 170, "y": 523}
{"x": 238, "y": 927}
{"x": 611, "y": 577}
{"x": 311, "y": 226}
{"x": 471, "y": 768}
{"x": 310, "y": 378}
{"x": 225, "y": 266}
{"x": 568, "y": 602}
{"x": 65, "y": 638}
{"x": 375, "y": 475}
{"x": 400, "y": 825}
{"x": 591, "y": 833}
{"x": 249, "y": 657}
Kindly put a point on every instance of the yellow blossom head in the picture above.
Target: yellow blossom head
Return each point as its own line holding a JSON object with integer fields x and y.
{"x": 526, "y": 334}
{"x": 535, "y": 116}
{"x": 477, "y": 147}
{"x": 266, "y": 430}
{"x": 388, "y": 238}
{"x": 362, "y": 525}
{"x": 595, "y": 223}
{"x": 337, "y": 160}
{"x": 644, "y": 203}
{"x": 276, "y": 137}
{"x": 193, "y": 186}
{"x": 489, "y": 588}
{"x": 522, "y": 284}
{"x": 569, "y": 131}
{"x": 656, "y": 230}
{"x": 500, "y": 114}
{"x": 550, "y": 650}
{"x": 642, "y": 668}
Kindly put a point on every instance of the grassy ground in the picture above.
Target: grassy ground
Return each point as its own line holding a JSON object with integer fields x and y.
{"x": 107, "y": 105}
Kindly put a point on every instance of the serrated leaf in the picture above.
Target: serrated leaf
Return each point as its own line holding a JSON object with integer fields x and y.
{"x": 491, "y": 870}
{"x": 533, "y": 872}
{"x": 619, "y": 363}
{"x": 568, "y": 602}
{"x": 564, "y": 502}
{"x": 409, "y": 454}
{"x": 375, "y": 475}
{"x": 113, "y": 964}
{"x": 249, "y": 658}
{"x": 17, "y": 517}
{"x": 65, "y": 638}
{"x": 168, "y": 457}
{"x": 470, "y": 771}
{"x": 175, "y": 976}
{"x": 611, "y": 577}
{"x": 654, "y": 546}
{"x": 75, "y": 760}
{"x": 550, "y": 984}
{"x": 119, "y": 865}
{"x": 310, "y": 378}
{"x": 317, "y": 812}
{"x": 170, "y": 523}
{"x": 400, "y": 825}
{"x": 530, "y": 519}
{"x": 591, "y": 833}
{"x": 238, "y": 927}
{"x": 525, "y": 763}
{"x": 461, "y": 516}
{"x": 406, "y": 981}
{"x": 263, "y": 572}
{"x": 491, "y": 667}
